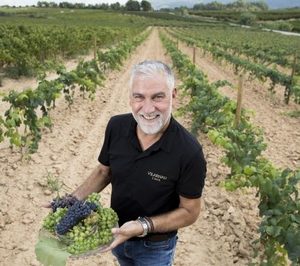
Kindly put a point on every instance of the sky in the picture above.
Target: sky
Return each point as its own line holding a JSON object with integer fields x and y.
{"x": 34, "y": 2}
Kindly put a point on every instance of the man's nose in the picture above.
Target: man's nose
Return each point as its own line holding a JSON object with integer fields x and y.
{"x": 148, "y": 107}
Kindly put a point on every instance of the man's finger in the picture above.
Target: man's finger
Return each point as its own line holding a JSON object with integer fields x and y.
{"x": 110, "y": 247}
{"x": 115, "y": 231}
{"x": 46, "y": 205}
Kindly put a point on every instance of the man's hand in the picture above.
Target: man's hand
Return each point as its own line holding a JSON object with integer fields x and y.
{"x": 126, "y": 231}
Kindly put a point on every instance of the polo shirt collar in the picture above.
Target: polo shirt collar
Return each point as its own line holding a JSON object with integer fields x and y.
{"x": 165, "y": 142}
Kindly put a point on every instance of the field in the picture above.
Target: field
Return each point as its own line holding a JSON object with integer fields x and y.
{"x": 67, "y": 151}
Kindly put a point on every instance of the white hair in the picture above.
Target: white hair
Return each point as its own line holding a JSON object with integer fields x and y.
{"x": 149, "y": 68}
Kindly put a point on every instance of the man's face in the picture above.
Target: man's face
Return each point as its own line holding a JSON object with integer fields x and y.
{"x": 151, "y": 103}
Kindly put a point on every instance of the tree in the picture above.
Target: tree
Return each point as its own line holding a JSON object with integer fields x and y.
{"x": 146, "y": 6}
{"x": 79, "y": 5}
{"x": 53, "y": 4}
{"x": 132, "y": 5}
{"x": 261, "y": 5}
{"x": 65, "y": 5}
{"x": 42, "y": 4}
{"x": 115, "y": 6}
{"x": 247, "y": 18}
{"x": 104, "y": 6}
{"x": 215, "y": 5}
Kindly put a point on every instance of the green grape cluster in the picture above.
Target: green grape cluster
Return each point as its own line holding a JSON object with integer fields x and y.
{"x": 89, "y": 234}
{"x": 53, "y": 218}
{"x": 94, "y": 198}
{"x": 108, "y": 218}
{"x": 93, "y": 232}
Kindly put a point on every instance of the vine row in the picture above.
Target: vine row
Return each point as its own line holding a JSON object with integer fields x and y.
{"x": 243, "y": 144}
{"x": 292, "y": 86}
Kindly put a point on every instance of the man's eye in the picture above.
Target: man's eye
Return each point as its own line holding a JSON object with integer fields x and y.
{"x": 158, "y": 97}
{"x": 137, "y": 97}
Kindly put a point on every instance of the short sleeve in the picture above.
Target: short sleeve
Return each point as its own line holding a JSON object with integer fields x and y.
{"x": 104, "y": 153}
{"x": 192, "y": 176}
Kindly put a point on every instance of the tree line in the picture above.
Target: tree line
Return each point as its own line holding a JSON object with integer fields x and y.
{"x": 239, "y": 5}
{"x": 130, "y": 5}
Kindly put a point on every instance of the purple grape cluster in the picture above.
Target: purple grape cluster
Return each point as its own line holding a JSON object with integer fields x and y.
{"x": 65, "y": 202}
{"x": 76, "y": 213}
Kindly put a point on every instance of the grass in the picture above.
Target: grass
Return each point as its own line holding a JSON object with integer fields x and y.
{"x": 53, "y": 183}
{"x": 294, "y": 114}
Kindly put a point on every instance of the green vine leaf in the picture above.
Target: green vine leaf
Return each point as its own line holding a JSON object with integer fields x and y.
{"x": 50, "y": 251}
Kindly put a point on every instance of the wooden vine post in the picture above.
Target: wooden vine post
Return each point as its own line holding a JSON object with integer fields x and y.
{"x": 95, "y": 48}
{"x": 239, "y": 102}
{"x": 194, "y": 54}
{"x": 287, "y": 91}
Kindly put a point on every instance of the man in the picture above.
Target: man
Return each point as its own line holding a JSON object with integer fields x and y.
{"x": 156, "y": 169}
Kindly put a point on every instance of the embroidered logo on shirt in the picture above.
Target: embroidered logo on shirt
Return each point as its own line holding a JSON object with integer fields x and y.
{"x": 157, "y": 177}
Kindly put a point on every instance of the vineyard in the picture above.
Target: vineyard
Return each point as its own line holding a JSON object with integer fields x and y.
{"x": 269, "y": 15}
{"x": 51, "y": 130}
{"x": 257, "y": 58}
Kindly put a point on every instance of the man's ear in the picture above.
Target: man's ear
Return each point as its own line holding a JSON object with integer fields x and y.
{"x": 174, "y": 93}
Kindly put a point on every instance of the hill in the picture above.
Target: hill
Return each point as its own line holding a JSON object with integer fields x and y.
{"x": 273, "y": 4}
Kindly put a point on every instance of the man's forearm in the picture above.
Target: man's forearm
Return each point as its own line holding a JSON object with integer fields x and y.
{"x": 176, "y": 219}
{"x": 186, "y": 214}
{"x": 96, "y": 182}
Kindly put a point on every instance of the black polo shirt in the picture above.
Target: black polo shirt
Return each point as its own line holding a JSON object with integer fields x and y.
{"x": 146, "y": 183}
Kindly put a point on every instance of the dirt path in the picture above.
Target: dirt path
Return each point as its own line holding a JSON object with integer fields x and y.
{"x": 282, "y": 133}
{"x": 221, "y": 236}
